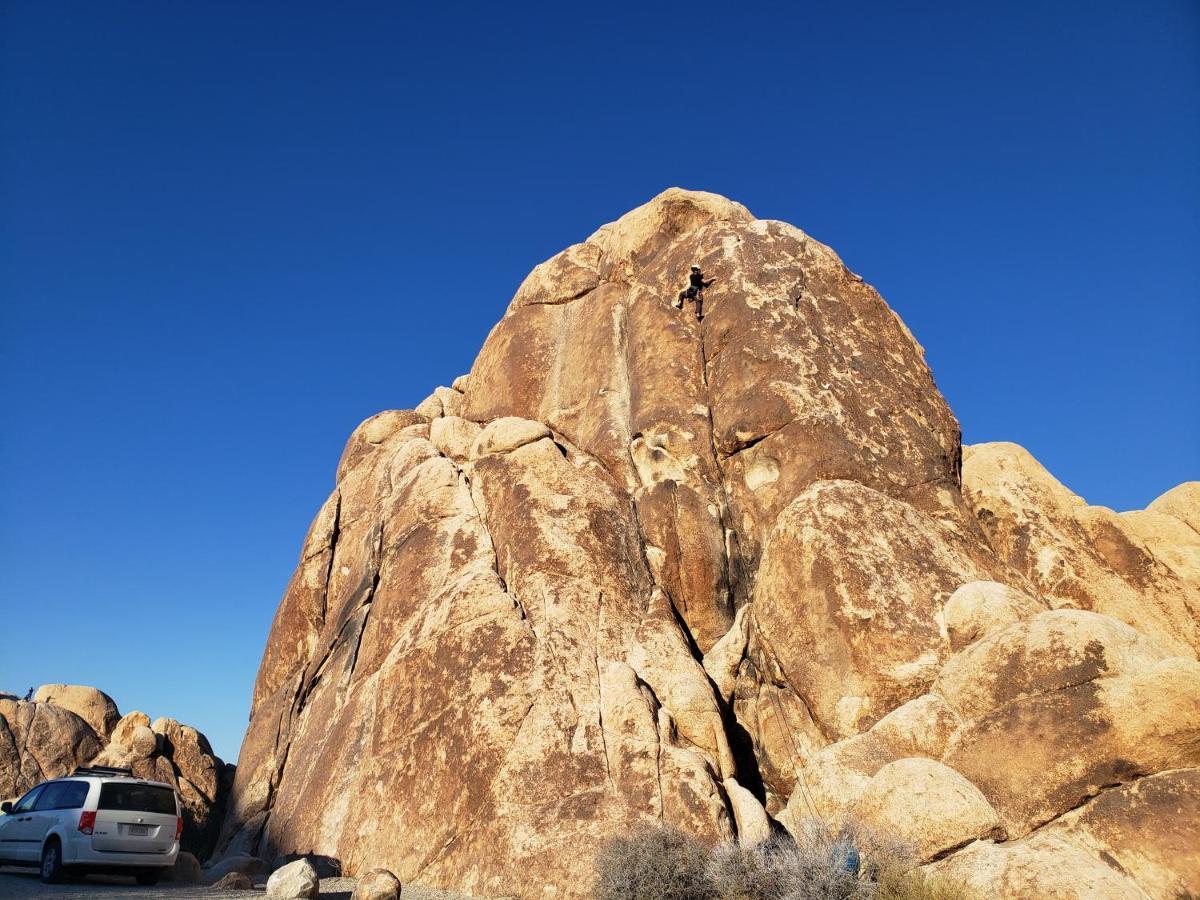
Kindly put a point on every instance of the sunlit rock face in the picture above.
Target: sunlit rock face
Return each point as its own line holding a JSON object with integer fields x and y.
{"x": 640, "y": 566}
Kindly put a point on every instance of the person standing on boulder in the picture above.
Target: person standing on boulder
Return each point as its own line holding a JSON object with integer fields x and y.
{"x": 695, "y": 292}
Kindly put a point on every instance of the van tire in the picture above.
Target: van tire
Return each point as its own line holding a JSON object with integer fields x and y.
{"x": 52, "y": 869}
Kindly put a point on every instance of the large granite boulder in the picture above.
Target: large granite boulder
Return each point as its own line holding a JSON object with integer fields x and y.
{"x": 93, "y": 706}
{"x": 718, "y": 574}
{"x": 40, "y": 741}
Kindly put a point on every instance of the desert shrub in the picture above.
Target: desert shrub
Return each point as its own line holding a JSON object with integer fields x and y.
{"x": 652, "y": 863}
{"x": 771, "y": 870}
{"x": 818, "y": 863}
{"x": 904, "y": 883}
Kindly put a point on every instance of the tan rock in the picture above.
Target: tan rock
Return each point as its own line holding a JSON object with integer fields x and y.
{"x": 1118, "y": 706}
{"x": 507, "y": 434}
{"x": 1147, "y": 828}
{"x": 1075, "y": 554}
{"x": 753, "y": 824}
{"x": 833, "y": 778}
{"x": 1182, "y": 502}
{"x": 724, "y": 659}
{"x": 122, "y": 733}
{"x": 377, "y": 884}
{"x": 93, "y": 706}
{"x": 374, "y": 434}
{"x": 295, "y": 881}
{"x": 431, "y": 407}
{"x": 460, "y": 383}
{"x": 451, "y": 400}
{"x": 499, "y": 649}
{"x": 857, "y": 623}
{"x": 1043, "y": 866}
{"x": 40, "y": 741}
{"x": 979, "y": 608}
{"x": 143, "y": 742}
{"x": 926, "y": 805}
{"x": 1171, "y": 540}
{"x": 453, "y": 436}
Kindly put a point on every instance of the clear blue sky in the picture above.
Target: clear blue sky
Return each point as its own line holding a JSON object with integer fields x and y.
{"x": 231, "y": 231}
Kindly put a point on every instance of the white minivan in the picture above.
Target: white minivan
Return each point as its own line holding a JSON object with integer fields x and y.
{"x": 98, "y": 819}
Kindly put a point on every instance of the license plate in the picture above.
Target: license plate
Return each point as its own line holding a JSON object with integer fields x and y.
{"x": 139, "y": 830}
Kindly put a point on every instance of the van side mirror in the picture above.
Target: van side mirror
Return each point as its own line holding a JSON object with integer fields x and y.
{"x": 6, "y": 807}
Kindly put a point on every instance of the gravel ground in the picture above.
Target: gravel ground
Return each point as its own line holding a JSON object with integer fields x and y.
{"x": 16, "y": 882}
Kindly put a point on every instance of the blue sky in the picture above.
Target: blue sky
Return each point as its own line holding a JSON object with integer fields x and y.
{"x": 231, "y": 231}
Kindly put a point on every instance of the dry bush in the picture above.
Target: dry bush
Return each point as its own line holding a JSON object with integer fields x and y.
{"x": 653, "y": 863}
{"x": 820, "y": 863}
{"x": 898, "y": 883}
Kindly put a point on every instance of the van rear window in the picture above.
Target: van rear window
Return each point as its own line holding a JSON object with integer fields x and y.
{"x": 137, "y": 798}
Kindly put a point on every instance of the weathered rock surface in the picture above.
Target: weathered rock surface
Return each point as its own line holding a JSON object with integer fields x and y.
{"x": 53, "y": 734}
{"x": 640, "y": 567}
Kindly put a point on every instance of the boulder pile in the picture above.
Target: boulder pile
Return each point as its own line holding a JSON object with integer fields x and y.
{"x": 729, "y": 575}
{"x": 65, "y": 726}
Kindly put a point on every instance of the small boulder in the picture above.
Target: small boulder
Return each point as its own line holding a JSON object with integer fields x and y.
{"x": 453, "y": 436}
{"x": 377, "y": 884}
{"x": 295, "y": 881}
{"x": 431, "y": 407}
{"x": 143, "y": 742}
{"x": 122, "y": 734}
{"x": 753, "y": 825}
{"x": 723, "y": 658}
{"x": 234, "y": 881}
{"x": 507, "y": 433}
{"x": 980, "y": 608}
{"x": 451, "y": 400}
{"x": 186, "y": 869}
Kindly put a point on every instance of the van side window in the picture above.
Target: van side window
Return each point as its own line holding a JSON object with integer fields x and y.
{"x": 74, "y": 795}
{"x": 26, "y": 802}
{"x": 50, "y": 796}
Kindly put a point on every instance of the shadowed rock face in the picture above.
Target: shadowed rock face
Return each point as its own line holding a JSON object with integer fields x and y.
{"x": 636, "y": 566}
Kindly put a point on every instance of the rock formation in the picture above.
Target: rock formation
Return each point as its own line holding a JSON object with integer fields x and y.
{"x": 66, "y": 726}
{"x": 641, "y": 567}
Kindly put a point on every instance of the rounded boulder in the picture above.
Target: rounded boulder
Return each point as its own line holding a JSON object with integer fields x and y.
{"x": 295, "y": 881}
{"x": 377, "y": 884}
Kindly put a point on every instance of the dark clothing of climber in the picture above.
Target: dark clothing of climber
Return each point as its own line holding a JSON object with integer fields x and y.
{"x": 695, "y": 291}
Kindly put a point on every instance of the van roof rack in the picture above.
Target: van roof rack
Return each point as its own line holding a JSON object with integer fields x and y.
{"x": 104, "y": 771}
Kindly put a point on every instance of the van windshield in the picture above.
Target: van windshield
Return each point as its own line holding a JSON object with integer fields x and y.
{"x": 137, "y": 798}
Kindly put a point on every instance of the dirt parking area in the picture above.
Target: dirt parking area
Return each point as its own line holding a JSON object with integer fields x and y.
{"x": 18, "y": 883}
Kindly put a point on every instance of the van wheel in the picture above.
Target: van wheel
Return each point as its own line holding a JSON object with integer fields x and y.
{"x": 52, "y": 864}
{"x": 149, "y": 876}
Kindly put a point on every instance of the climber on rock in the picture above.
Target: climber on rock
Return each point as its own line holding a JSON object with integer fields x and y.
{"x": 694, "y": 291}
